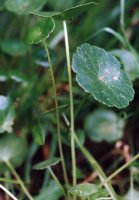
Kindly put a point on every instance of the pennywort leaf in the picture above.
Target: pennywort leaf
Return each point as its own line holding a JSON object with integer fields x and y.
{"x": 13, "y": 148}
{"x": 41, "y": 31}
{"x": 104, "y": 125}
{"x": 14, "y": 47}
{"x": 46, "y": 164}
{"x": 68, "y": 13}
{"x": 99, "y": 73}
{"x": 84, "y": 190}
{"x": 22, "y": 7}
{"x": 129, "y": 61}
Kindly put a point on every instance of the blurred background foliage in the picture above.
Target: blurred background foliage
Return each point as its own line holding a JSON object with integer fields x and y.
{"x": 27, "y": 104}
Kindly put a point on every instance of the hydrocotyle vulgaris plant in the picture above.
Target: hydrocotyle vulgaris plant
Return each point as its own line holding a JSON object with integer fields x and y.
{"x": 104, "y": 79}
{"x": 98, "y": 73}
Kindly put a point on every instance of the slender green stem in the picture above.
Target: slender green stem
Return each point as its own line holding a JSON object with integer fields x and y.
{"x": 8, "y": 192}
{"x": 97, "y": 167}
{"x": 121, "y": 169}
{"x": 19, "y": 180}
{"x": 57, "y": 114}
{"x": 122, "y": 20}
{"x": 104, "y": 198}
{"x": 71, "y": 104}
{"x": 9, "y": 181}
{"x": 56, "y": 179}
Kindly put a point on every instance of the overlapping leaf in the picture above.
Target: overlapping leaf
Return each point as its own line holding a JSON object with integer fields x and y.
{"x": 104, "y": 125}
{"x": 13, "y": 149}
{"x": 22, "y": 7}
{"x": 66, "y": 14}
{"x": 99, "y": 73}
{"x": 41, "y": 31}
{"x": 129, "y": 61}
{"x": 46, "y": 164}
{"x": 14, "y": 47}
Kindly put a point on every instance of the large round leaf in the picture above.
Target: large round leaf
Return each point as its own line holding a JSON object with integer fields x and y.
{"x": 99, "y": 73}
{"x": 22, "y": 7}
{"x": 104, "y": 125}
{"x": 14, "y": 47}
{"x": 41, "y": 31}
{"x": 129, "y": 61}
{"x": 13, "y": 149}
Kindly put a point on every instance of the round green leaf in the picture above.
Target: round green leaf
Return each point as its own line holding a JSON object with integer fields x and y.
{"x": 41, "y": 31}
{"x": 22, "y": 7}
{"x": 129, "y": 61}
{"x": 84, "y": 190}
{"x": 66, "y": 14}
{"x": 14, "y": 47}
{"x": 46, "y": 164}
{"x": 104, "y": 125}
{"x": 13, "y": 149}
{"x": 99, "y": 73}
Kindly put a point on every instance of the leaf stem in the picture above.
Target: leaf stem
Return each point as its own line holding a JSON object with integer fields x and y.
{"x": 121, "y": 169}
{"x": 8, "y": 192}
{"x": 57, "y": 114}
{"x": 56, "y": 179}
{"x": 97, "y": 167}
{"x": 9, "y": 181}
{"x": 71, "y": 103}
{"x": 19, "y": 180}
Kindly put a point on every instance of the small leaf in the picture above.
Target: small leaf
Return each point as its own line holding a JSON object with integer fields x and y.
{"x": 38, "y": 134}
{"x": 129, "y": 61}
{"x": 22, "y": 7}
{"x": 46, "y": 164}
{"x": 14, "y": 47}
{"x": 84, "y": 190}
{"x": 66, "y": 14}
{"x": 104, "y": 125}
{"x": 7, "y": 114}
{"x": 99, "y": 73}
{"x": 13, "y": 149}
{"x": 41, "y": 31}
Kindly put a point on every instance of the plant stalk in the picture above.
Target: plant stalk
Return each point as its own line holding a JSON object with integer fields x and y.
{"x": 9, "y": 165}
{"x": 56, "y": 179}
{"x": 97, "y": 167}
{"x": 121, "y": 168}
{"x": 8, "y": 192}
{"x": 71, "y": 103}
{"x": 57, "y": 114}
